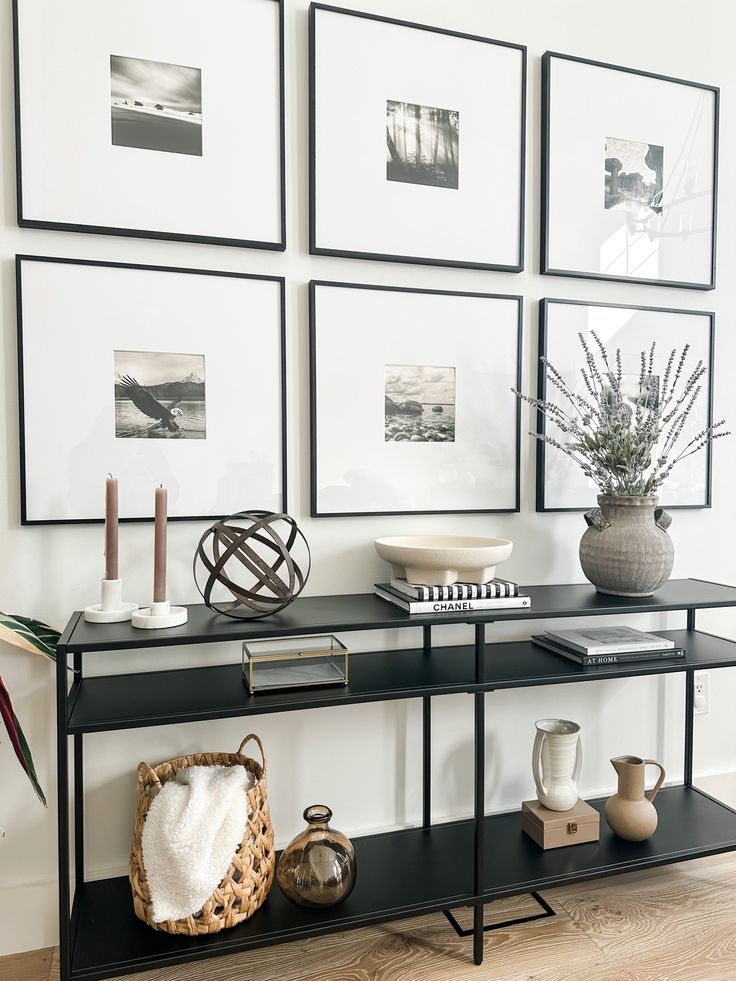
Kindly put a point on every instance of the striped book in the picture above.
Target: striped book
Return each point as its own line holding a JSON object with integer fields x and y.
{"x": 458, "y": 591}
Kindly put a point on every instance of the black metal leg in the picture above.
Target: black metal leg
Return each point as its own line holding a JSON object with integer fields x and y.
{"x": 480, "y": 785}
{"x": 427, "y": 741}
{"x": 62, "y": 769}
{"x": 691, "y": 619}
{"x": 689, "y": 724}
{"x": 78, "y": 810}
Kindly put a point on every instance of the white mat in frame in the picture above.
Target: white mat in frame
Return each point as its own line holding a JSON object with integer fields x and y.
{"x": 561, "y": 485}
{"x": 417, "y": 142}
{"x": 160, "y": 120}
{"x": 411, "y": 403}
{"x": 207, "y": 346}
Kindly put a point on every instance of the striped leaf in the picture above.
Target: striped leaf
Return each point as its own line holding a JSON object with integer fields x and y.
{"x": 29, "y": 635}
{"x": 18, "y": 740}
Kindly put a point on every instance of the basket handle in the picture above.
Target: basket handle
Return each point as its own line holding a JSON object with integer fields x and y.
{"x": 147, "y": 775}
{"x": 257, "y": 739}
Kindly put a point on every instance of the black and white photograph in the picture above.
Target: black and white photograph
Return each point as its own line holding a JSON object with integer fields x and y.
{"x": 446, "y": 188}
{"x": 633, "y": 176}
{"x": 641, "y": 383}
{"x": 638, "y": 395}
{"x": 179, "y": 381}
{"x": 422, "y": 144}
{"x": 420, "y": 404}
{"x": 629, "y": 176}
{"x": 159, "y": 395}
{"x": 153, "y": 120}
{"x": 409, "y": 434}
{"x": 156, "y": 106}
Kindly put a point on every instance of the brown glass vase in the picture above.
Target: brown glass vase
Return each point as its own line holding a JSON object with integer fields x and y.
{"x": 317, "y": 868}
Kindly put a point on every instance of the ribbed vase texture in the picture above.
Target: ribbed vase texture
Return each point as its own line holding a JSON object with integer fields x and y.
{"x": 556, "y": 763}
{"x": 626, "y": 550}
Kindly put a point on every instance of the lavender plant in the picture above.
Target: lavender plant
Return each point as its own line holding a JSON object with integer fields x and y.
{"x": 627, "y": 450}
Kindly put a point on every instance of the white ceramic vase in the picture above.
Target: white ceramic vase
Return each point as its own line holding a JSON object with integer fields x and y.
{"x": 557, "y": 758}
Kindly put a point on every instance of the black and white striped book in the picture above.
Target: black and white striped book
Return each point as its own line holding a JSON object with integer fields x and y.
{"x": 458, "y": 591}
{"x": 384, "y": 591}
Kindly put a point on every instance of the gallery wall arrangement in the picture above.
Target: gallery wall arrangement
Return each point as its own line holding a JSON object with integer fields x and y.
{"x": 174, "y": 379}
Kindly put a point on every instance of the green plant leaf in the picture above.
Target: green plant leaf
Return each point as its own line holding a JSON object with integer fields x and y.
{"x": 18, "y": 739}
{"x": 30, "y": 635}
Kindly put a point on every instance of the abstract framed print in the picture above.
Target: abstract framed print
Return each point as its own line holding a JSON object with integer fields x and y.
{"x": 155, "y": 375}
{"x": 417, "y": 139}
{"x": 561, "y": 485}
{"x": 411, "y": 404}
{"x": 629, "y": 174}
{"x": 155, "y": 121}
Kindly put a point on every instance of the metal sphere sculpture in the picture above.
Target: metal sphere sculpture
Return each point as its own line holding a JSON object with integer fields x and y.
{"x": 249, "y": 556}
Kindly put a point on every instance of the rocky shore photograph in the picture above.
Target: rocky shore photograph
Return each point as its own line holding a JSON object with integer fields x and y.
{"x": 419, "y": 404}
{"x": 156, "y": 106}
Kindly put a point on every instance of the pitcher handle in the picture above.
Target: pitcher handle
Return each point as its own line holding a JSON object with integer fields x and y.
{"x": 595, "y": 519}
{"x": 662, "y": 518}
{"x": 578, "y": 760}
{"x": 537, "y": 761}
{"x": 660, "y": 781}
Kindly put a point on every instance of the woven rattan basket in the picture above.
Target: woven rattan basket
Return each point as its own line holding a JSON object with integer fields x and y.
{"x": 249, "y": 877}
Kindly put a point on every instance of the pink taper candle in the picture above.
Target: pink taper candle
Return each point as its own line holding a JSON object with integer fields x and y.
{"x": 111, "y": 528}
{"x": 159, "y": 559}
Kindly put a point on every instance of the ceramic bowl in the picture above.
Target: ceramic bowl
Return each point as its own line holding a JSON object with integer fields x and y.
{"x": 441, "y": 560}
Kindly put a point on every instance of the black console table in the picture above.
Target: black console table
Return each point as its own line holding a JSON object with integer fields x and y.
{"x": 403, "y": 873}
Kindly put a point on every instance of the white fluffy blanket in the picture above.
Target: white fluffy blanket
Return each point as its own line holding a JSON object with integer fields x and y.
{"x": 192, "y": 830}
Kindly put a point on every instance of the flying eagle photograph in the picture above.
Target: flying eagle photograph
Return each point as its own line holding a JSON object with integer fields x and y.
{"x": 159, "y": 395}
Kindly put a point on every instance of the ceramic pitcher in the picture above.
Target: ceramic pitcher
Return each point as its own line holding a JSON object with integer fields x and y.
{"x": 557, "y": 758}
{"x": 630, "y": 813}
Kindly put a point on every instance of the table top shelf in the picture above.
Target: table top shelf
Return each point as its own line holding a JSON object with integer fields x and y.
{"x": 153, "y": 698}
{"x": 364, "y": 611}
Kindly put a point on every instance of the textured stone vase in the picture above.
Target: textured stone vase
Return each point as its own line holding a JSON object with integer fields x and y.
{"x": 557, "y": 758}
{"x": 630, "y": 813}
{"x": 626, "y": 550}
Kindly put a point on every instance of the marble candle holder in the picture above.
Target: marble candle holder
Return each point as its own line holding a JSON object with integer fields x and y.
{"x": 111, "y": 608}
{"x": 159, "y": 615}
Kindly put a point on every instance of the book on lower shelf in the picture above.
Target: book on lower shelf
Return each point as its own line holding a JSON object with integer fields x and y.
{"x": 594, "y": 641}
{"x": 440, "y": 606}
{"x": 620, "y": 657}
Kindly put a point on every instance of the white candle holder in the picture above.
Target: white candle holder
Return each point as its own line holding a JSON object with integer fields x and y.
{"x": 159, "y": 615}
{"x": 111, "y": 608}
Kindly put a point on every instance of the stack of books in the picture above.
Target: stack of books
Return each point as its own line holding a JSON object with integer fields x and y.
{"x": 594, "y": 646}
{"x": 461, "y": 597}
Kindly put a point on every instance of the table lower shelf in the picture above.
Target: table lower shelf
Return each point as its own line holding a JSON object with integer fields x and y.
{"x": 400, "y": 874}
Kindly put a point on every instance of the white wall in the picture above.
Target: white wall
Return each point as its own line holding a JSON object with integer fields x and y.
{"x": 365, "y": 760}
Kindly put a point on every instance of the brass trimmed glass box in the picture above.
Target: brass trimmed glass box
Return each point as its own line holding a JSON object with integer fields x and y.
{"x": 294, "y": 662}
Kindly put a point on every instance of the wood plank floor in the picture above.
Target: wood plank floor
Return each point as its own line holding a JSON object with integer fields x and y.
{"x": 669, "y": 924}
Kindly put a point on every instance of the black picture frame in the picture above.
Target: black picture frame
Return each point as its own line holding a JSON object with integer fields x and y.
{"x": 314, "y": 247}
{"x": 23, "y": 222}
{"x": 545, "y": 267}
{"x": 313, "y": 420}
{"x": 283, "y": 453}
{"x": 541, "y": 450}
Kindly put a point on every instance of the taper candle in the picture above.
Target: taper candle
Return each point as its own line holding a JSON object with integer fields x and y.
{"x": 111, "y": 528}
{"x": 159, "y": 558}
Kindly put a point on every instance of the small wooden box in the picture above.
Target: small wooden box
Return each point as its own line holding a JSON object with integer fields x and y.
{"x": 554, "y": 829}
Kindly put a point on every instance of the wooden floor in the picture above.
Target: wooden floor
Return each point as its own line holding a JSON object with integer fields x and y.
{"x": 669, "y": 924}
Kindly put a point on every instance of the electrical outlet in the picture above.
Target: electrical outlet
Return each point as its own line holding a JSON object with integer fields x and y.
{"x": 702, "y": 694}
